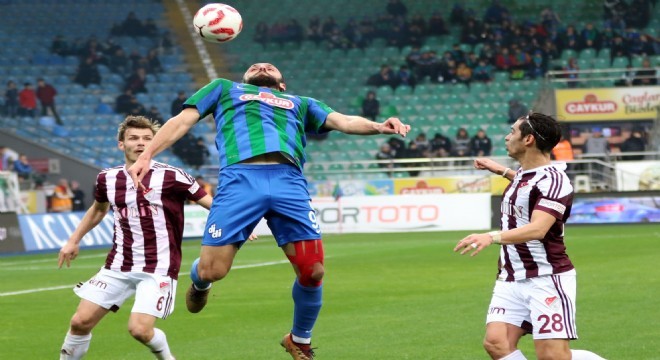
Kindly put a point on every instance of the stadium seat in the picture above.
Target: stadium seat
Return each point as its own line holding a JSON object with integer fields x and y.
{"x": 336, "y": 167}
{"x": 568, "y": 53}
{"x": 620, "y": 62}
{"x": 315, "y": 167}
{"x": 356, "y": 167}
{"x": 587, "y": 54}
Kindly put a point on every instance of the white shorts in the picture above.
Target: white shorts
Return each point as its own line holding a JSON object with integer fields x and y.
{"x": 154, "y": 294}
{"x": 543, "y": 306}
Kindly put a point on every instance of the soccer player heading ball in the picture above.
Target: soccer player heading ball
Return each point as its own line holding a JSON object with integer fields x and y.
{"x": 261, "y": 141}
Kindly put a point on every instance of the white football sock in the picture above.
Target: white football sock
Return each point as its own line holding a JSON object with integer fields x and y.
{"x": 516, "y": 355}
{"x": 75, "y": 346}
{"x": 300, "y": 340}
{"x": 158, "y": 345}
{"x": 584, "y": 355}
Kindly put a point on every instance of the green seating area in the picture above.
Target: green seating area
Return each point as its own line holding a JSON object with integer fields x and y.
{"x": 337, "y": 77}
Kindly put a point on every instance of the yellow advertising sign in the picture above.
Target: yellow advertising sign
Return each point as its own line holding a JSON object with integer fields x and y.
{"x": 451, "y": 185}
{"x": 626, "y": 103}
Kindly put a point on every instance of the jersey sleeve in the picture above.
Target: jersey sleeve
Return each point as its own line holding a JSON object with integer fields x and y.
{"x": 185, "y": 184}
{"x": 316, "y": 114}
{"x": 101, "y": 189}
{"x": 556, "y": 195}
{"x": 205, "y": 100}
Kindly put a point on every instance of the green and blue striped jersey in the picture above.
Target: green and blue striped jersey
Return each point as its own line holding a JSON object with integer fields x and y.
{"x": 253, "y": 120}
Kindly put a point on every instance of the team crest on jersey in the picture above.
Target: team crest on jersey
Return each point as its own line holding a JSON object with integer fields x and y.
{"x": 149, "y": 194}
{"x": 550, "y": 300}
{"x": 523, "y": 184}
{"x": 269, "y": 99}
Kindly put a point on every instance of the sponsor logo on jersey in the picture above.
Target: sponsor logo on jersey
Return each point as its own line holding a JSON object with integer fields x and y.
{"x": 269, "y": 99}
{"x": 141, "y": 210}
{"x": 553, "y": 205}
{"x": 215, "y": 233}
{"x": 512, "y": 210}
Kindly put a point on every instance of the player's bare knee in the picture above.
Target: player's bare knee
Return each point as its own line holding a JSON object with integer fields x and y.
{"x": 141, "y": 332}
{"x": 496, "y": 348}
{"x": 317, "y": 272}
{"x": 212, "y": 273}
{"x": 81, "y": 325}
{"x": 311, "y": 276}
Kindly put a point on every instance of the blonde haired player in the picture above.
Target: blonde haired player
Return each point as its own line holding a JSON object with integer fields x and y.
{"x": 146, "y": 254}
{"x": 535, "y": 290}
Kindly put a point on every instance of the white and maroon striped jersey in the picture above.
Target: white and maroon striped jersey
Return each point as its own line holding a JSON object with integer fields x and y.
{"x": 148, "y": 224}
{"x": 547, "y": 189}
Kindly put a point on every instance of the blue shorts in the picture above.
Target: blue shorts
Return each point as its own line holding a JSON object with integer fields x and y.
{"x": 246, "y": 193}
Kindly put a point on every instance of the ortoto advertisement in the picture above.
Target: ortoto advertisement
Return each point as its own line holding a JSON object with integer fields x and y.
{"x": 403, "y": 213}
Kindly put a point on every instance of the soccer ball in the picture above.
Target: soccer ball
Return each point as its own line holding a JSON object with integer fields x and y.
{"x": 218, "y": 23}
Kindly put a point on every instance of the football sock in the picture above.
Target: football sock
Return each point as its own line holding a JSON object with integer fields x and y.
{"x": 516, "y": 355}
{"x": 584, "y": 355}
{"x": 158, "y": 345}
{"x": 199, "y": 284}
{"x": 75, "y": 346}
{"x": 307, "y": 304}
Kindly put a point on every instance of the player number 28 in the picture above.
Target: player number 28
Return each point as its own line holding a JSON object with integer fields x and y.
{"x": 554, "y": 323}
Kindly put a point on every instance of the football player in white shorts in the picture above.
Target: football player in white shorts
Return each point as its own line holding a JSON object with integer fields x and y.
{"x": 535, "y": 289}
{"x": 146, "y": 254}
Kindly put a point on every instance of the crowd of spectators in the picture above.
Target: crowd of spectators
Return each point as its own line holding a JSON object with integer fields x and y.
{"x": 132, "y": 66}
{"x": 393, "y": 26}
{"x": 24, "y": 102}
{"x": 596, "y": 145}
{"x": 440, "y": 146}
{"x": 492, "y": 42}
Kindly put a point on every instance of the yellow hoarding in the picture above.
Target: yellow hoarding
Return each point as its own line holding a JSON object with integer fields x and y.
{"x": 626, "y": 103}
{"x": 450, "y": 185}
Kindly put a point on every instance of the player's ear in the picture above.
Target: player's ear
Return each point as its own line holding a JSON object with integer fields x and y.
{"x": 282, "y": 87}
{"x": 529, "y": 139}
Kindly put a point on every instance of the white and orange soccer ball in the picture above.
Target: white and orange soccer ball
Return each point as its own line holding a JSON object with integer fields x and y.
{"x": 218, "y": 23}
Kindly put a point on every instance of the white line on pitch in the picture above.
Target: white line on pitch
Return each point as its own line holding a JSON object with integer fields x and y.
{"x": 30, "y": 291}
{"x": 53, "y": 260}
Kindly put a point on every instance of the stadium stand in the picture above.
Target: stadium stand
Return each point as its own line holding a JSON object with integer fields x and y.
{"x": 313, "y": 67}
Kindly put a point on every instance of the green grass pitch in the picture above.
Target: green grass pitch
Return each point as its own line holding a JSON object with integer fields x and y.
{"x": 386, "y": 296}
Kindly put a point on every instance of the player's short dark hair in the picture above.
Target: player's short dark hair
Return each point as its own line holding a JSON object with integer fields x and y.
{"x": 136, "y": 122}
{"x": 545, "y": 129}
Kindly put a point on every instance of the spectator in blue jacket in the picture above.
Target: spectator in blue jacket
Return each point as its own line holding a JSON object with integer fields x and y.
{"x": 22, "y": 167}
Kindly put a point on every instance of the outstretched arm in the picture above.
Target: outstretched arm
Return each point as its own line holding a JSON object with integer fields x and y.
{"x": 494, "y": 167}
{"x": 93, "y": 217}
{"x": 173, "y": 130}
{"x": 358, "y": 125}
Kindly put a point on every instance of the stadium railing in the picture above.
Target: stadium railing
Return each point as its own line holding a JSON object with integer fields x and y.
{"x": 563, "y": 76}
{"x": 600, "y": 168}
